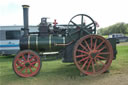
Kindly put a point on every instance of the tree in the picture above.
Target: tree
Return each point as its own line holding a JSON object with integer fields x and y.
{"x": 116, "y": 28}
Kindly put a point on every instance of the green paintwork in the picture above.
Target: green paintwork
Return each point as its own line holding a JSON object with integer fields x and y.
{"x": 113, "y": 43}
{"x": 46, "y": 43}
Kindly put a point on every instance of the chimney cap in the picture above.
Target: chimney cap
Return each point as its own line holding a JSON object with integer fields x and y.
{"x": 25, "y": 6}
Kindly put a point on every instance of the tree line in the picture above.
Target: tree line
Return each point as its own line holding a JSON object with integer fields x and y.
{"x": 120, "y": 27}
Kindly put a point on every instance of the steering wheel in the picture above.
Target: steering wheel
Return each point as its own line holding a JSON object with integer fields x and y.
{"x": 81, "y": 23}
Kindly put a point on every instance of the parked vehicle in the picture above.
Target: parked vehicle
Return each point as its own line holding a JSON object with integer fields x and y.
{"x": 9, "y": 39}
{"x": 119, "y": 36}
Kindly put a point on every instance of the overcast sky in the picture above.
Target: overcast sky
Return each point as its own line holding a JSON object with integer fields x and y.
{"x": 105, "y": 12}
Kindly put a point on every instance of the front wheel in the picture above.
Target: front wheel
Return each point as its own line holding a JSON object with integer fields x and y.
{"x": 93, "y": 54}
{"x": 27, "y": 63}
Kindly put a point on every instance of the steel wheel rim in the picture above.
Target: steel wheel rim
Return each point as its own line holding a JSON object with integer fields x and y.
{"x": 81, "y": 28}
{"x": 93, "y": 54}
{"x": 27, "y": 66}
{"x": 82, "y": 22}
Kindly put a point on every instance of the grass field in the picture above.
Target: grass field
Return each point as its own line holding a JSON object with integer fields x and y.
{"x": 58, "y": 73}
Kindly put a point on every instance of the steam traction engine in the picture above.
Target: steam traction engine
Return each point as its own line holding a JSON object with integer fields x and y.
{"x": 76, "y": 42}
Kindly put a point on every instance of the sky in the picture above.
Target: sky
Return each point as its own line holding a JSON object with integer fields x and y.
{"x": 105, "y": 12}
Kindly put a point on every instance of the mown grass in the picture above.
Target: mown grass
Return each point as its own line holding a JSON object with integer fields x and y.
{"x": 121, "y": 63}
{"x": 58, "y": 73}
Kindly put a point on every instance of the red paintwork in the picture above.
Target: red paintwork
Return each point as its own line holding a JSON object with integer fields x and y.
{"x": 89, "y": 54}
{"x": 27, "y": 63}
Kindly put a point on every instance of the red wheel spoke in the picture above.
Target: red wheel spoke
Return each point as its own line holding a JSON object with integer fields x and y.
{"x": 84, "y": 64}
{"x": 102, "y": 49}
{"x": 83, "y": 59}
{"x": 22, "y": 69}
{"x": 102, "y": 57}
{"x": 19, "y": 64}
{"x": 28, "y": 56}
{"x": 93, "y": 67}
{"x": 82, "y": 51}
{"x": 91, "y": 42}
{"x": 33, "y": 66}
{"x": 100, "y": 61}
{"x": 95, "y": 44}
{"x": 23, "y": 57}
{"x": 87, "y": 44}
{"x": 30, "y": 69}
{"x": 89, "y": 65}
{"x": 79, "y": 56}
{"x": 20, "y": 61}
{"x": 26, "y": 71}
{"x": 32, "y": 58}
{"x": 83, "y": 47}
{"x": 100, "y": 44}
{"x": 34, "y": 62}
{"x": 105, "y": 53}
{"x": 96, "y": 62}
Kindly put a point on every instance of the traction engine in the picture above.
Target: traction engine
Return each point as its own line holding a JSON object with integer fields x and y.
{"x": 76, "y": 42}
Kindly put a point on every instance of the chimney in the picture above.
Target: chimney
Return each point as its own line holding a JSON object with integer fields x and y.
{"x": 25, "y": 19}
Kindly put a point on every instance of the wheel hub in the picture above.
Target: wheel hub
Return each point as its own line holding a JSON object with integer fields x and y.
{"x": 27, "y": 64}
{"x": 93, "y": 55}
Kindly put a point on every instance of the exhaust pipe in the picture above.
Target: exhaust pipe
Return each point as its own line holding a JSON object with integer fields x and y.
{"x": 25, "y": 19}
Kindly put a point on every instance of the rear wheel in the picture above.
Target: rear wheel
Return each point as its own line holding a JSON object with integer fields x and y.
{"x": 93, "y": 54}
{"x": 27, "y": 63}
